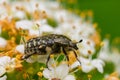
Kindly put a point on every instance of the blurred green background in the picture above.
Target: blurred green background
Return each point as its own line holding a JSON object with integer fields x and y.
{"x": 106, "y": 14}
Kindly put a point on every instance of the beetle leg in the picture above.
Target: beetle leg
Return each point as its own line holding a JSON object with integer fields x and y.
{"x": 26, "y": 56}
{"x": 72, "y": 49}
{"x": 64, "y": 51}
{"x": 49, "y": 58}
{"x": 76, "y": 56}
{"x": 48, "y": 61}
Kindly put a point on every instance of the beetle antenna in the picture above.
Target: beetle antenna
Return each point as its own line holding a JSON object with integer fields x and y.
{"x": 80, "y": 41}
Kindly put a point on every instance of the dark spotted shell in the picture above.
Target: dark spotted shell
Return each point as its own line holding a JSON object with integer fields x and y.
{"x": 38, "y": 45}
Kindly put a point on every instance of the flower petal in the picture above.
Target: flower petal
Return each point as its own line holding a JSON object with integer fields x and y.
{"x": 24, "y": 24}
{"x": 87, "y": 68}
{"x": 46, "y": 28}
{"x": 3, "y": 42}
{"x": 75, "y": 64}
{"x": 47, "y": 73}
{"x": 2, "y": 71}
{"x": 87, "y": 47}
{"x": 98, "y": 64}
{"x": 100, "y": 68}
{"x": 69, "y": 77}
{"x": 4, "y": 60}
{"x": 3, "y": 78}
{"x": 62, "y": 71}
{"x": 20, "y": 48}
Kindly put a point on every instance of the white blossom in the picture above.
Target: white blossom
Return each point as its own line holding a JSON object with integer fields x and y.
{"x": 24, "y": 24}
{"x": 88, "y": 65}
{"x": 87, "y": 47}
{"x": 4, "y": 1}
{"x": 2, "y": 70}
{"x": 3, "y": 78}
{"x": 104, "y": 52}
{"x": 7, "y": 63}
{"x": 20, "y": 48}
{"x": 57, "y": 73}
{"x": 3, "y": 42}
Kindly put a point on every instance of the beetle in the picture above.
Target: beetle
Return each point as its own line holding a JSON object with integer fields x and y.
{"x": 50, "y": 43}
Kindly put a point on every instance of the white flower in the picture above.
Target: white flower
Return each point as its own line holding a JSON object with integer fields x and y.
{"x": 97, "y": 63}
{"x": 104, "y": 51}
{"x": 60, "y": 72}
{"x": 3, "y": 1}
{"x": 19, "y": 14}
{"x": 87, "y": 47}
{"x": 110, "y": 56}
{"x": 24, "y": 24}
{"x": 7, "y": 63}
{"x": 87, "y": 30}
{"x": 46, "y": 28}
{"x": 61, "y": 15}
{"x": 40, "y": 30}
{"x": 20, "y": 48}
{"x": 69, "y": 29}
{"x": 3, "y": 78}
{"x": 3, "y": 42}
{"x": 115, "y": 58}
{"x": 3, "y": 13}
{"x": 34, "y": 32}
{"x": 88, "y": 65}
{"x": 2, "y": 70}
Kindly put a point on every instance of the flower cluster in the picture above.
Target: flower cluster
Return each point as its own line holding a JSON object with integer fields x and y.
{"x": 6, "y": 65}
{"x": 21, "y": 20}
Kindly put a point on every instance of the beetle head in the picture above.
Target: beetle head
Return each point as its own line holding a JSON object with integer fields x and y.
{"x": 74, "y": 44}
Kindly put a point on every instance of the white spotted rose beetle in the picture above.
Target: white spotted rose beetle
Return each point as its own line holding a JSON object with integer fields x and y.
{"x": 52, "y": 42}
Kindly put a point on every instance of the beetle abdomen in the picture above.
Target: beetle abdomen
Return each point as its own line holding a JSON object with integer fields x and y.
{"x": 39, "y": 45}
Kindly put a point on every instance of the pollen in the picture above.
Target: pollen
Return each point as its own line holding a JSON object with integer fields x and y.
{"x": 88, "y": 42}
{"x": 95, "y": 25}
{"x": 40, "y": 74}
{"x": 53, "y": 65}
{"x": 72, "y": 57}
{"x": 65, "y": 62}
{"x": 89, "y": 51}
{"x": 25, "y": 75}
{"x": 51, "y": 56}
{"x": 18, "y": 62}
{"x": 113, "y": 76}
{"x": 102, "y": 44}
{"x": 90, "y": 13}
{"x": 7, "y": 68}
{"x": 96, "y": 38}
{"x": 89, "y": 76}
{"x": 37, "y": 5}
{"x": 42, "y": 68}
{"x": 79, "y": 67}
{"x": 18, "y": 57}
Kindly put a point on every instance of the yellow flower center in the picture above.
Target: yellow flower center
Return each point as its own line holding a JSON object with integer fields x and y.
{"x": 40, "y": 74}
{"x": 55, "y": 79}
